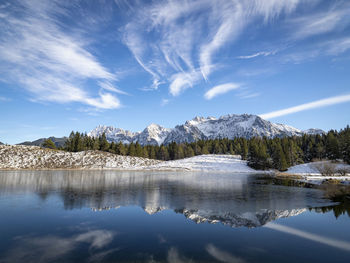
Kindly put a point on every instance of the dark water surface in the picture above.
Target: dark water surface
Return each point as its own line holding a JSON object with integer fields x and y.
{"x": 106, "y": 216}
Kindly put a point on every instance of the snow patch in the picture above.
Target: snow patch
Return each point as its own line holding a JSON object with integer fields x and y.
{"x": 208, "y": 162}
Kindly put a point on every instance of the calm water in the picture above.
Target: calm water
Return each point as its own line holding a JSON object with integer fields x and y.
{"x": 93, "y": 216}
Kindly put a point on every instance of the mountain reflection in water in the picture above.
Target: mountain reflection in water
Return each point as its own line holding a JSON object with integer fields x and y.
{"x": 232, "y": 199}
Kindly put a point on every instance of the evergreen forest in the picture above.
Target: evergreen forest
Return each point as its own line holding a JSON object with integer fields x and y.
{"x": 261, "y": 153}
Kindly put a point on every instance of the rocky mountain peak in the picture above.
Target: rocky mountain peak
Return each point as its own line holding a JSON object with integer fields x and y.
{"x": 201, "y": 128}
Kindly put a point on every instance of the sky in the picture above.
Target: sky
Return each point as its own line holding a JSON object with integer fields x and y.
{"x": 73, "y": 65}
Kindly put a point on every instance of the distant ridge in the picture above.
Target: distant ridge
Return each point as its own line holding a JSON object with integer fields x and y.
{"x": 200, "y": 128}
{"x": 59, "y": 142}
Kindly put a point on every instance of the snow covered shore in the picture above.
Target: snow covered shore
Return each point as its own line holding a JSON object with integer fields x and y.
{"x": 33, "y": 157}
{"x": 317, "y": 171}
{"x": 208, "y": 162}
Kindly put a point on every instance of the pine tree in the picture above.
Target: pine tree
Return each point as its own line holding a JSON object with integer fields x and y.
{"x": 78, "y": 142}
{"x": 144, "y": 152}
{"x": 131, "y": 149}
{"x": 121, "y": 149}
{"x": 205, "y": 149}
{"x": 138, "y": 150}
{"x": 163, "y": 153}
{"x": 231, "y": 151}
{"x": 189, "y": 151}
{"x": 345, "y": 144}
{"x": 279, "y": 159}
{"x": 179, "y": 154}
{"x": 244, "y": 147}
{"x": 197, "y": 149}
{"x": 257, "y": 157}
{"x": 96, "y": 144}
{"x": 104, "y": 145}
{"x": 319, "y": 151}
{"x": 112, "y": 147}
{"x": 217, "y": 148}
{"x": 332, "y": 146}
{"x": 237, "y": 148}
{"x": 152, "y": 153}
{"x": 48, "y": 143}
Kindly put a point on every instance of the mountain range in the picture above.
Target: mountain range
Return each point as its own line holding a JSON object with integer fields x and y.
{"x": 200, "y": 128}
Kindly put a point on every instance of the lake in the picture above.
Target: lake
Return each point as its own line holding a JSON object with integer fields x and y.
{"x": 109, "y": 216}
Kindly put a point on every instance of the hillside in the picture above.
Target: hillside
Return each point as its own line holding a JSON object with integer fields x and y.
{"x": 208, "y": 162}
{"x": 200, "y": 128}
{"x": 59, "y": 142}
{"x": 33, "y": 157}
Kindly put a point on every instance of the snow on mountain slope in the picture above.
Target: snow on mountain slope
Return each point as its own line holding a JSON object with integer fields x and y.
{"x": 114, "y": 134}
{"x": 314, "y": 131}
{"x": 200, "y": 128}
{"x": 154, "y": 134}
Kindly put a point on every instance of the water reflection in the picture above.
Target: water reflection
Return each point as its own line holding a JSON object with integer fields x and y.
{"x": 234, "y": 200}
{"x": 50, "y": 248}
{"x": 310, "y": 236}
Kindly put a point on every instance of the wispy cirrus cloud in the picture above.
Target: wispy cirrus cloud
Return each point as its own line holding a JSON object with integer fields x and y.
{"x": 258, "y": 54}
{"x": 42, "y": 57}
{"x": 307, "y": 106}
{"x": 108, "y": 86}
{"x": 187, "y": 34}
{"x": 335, "y": 18}
{"x": 220, "y": 89}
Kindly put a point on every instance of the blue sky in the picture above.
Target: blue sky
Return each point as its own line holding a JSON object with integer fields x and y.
{"x": 72, "y": 65}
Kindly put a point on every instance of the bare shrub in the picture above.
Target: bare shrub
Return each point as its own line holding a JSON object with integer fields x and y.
{"x": 326, "y": 169}
{"x": 343, "y": 171}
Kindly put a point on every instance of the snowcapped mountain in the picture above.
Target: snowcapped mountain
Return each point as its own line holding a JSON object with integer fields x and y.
{"x": 314, "y": 132}
{"x": 200, "y": 128}
{"x": 114, "y": 134}
{"x": 246, "y": 219}
{"x": 153, "y": 134}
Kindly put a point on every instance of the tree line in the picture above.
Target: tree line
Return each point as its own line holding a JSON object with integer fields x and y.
{"x": 261, "y": 153}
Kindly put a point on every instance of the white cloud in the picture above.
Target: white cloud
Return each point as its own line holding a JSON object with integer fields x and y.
{"x": 272, "y": 8}
{"x": 46, "y": 60}
{"x": 343, "y": 245}
{"x": 182, "y": 81}
{"x": 258, "y": 54}
{"x": 164, "y": 102}
{"x": 231, "y": 21}
{"x": 308, "y": 106}
{"x": 174, "y": 40}
{"x": 220, "y": 89}
{"x": 338, "y": 46}
{"x": 335, "y": 18}
{"x": 110, "y": 87}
